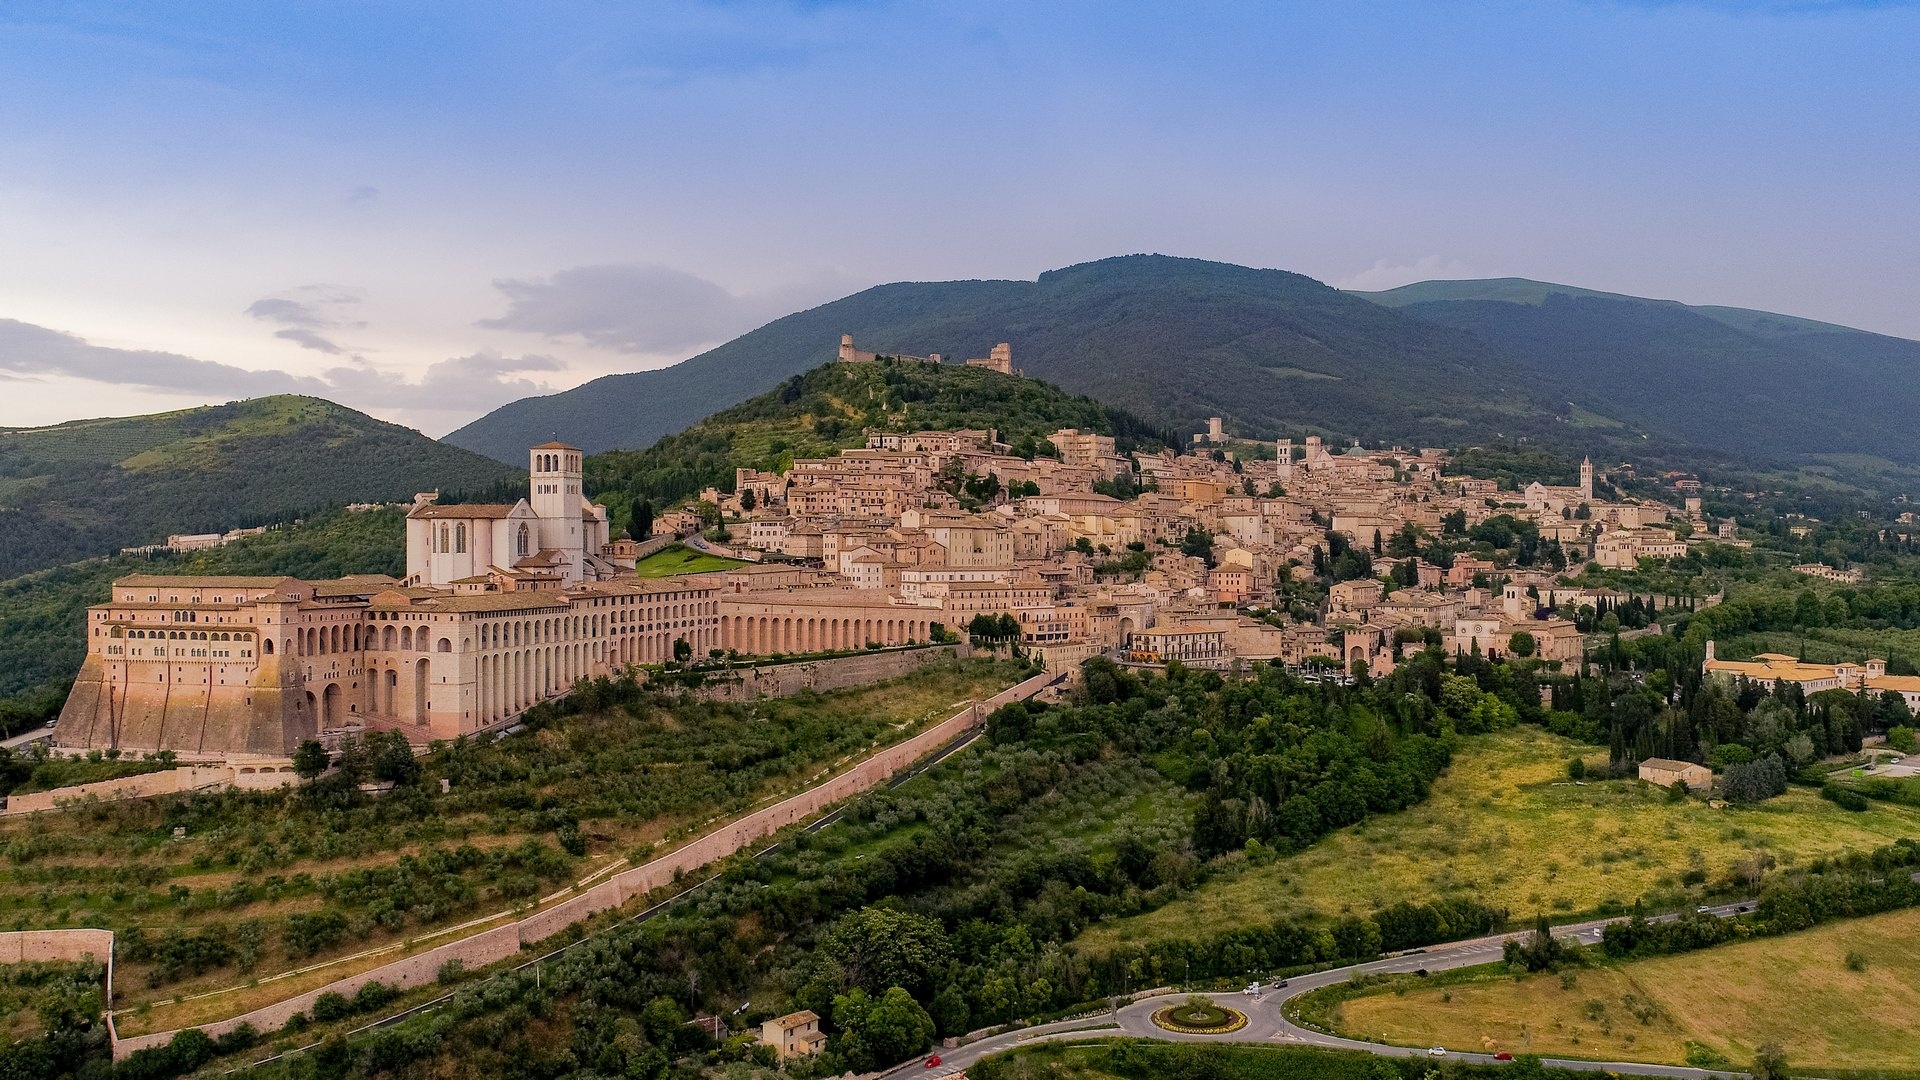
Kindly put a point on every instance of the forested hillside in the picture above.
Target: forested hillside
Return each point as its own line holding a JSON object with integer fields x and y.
{"x": 1749, "y": 383}
{"x": 91, "y": 487}
{"x": 830, "y": 408}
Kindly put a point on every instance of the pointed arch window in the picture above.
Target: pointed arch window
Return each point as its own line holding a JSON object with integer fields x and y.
{"x": 460, "y": 539}
{"x": 524, "y": 539}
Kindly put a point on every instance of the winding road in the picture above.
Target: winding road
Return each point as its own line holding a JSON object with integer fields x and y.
{"x": 1267, "y": 1023}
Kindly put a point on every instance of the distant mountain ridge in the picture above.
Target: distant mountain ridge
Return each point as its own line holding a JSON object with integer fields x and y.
{"x": 91, "y": 487}
{"x": 1175, "y": 340}
{"x": 1439, "y": 363}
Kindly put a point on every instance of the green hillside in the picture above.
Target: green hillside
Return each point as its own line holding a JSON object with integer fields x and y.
{"x": 1438, "y": 363}
{"x": 830, "y": 408}
{"x": 91, "y": 487}
{"x": 1528, "y": 291}
{"x": 1762, "y": 387}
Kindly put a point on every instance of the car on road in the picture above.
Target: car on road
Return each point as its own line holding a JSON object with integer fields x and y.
{"x": 1436, "y": 1051}
{"x": 1503, "y": 1055}
{"x": 1702, "y": 910}
{"x": 933, "y": 1062}
{"x": 1252, "y": 989}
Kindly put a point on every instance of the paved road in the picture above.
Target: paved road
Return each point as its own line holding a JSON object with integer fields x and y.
{"x": 1267, "y": 1023}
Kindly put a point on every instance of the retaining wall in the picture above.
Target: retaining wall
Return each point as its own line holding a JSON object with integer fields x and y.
{"x": 146, "y": 785}
{"x": 41, "y": 946}
{"x": 507, "y": 941}
{"x": 838, "y": 673}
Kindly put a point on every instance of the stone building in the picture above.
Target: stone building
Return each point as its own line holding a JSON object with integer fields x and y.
{"x": 555, "y": 526}
{"x": 219, "y": 666}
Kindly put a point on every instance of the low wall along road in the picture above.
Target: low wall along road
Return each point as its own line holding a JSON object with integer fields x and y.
{"x": 835, "y": 673}
{"x": 504, "y": 942}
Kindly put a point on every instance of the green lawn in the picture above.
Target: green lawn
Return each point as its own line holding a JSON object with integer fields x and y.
{"x": 1506, "y": 827}
{"x": 1796, "y": 990}
{"x": 680, "y": 559}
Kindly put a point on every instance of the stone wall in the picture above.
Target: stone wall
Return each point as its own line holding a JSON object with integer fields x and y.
{"x": 147, "y": 785}
{"x": 837, "y": 673}
{"x": 41, "y": 946}
{"x": 507, "y": 941}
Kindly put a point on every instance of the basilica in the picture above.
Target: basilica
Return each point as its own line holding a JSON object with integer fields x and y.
{"x": 502, "y": 607}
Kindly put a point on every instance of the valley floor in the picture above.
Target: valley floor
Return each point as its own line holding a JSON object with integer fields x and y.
{"x": 1796, "y": 990}
{"x": 1506, "y": 826}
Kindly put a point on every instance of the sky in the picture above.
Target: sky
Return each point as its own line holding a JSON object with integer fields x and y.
{"x": 427, "y": 210}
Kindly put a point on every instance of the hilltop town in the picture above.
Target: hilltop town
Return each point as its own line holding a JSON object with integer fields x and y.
{"x": 1219, "y": 553}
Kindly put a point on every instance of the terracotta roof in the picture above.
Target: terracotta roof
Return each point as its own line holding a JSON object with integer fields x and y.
{"x": 463, "y": 511}
{"x": 500, "y": 601}
{"x": 554, "y": 446}
{"x": 183, "y": 581}
{"x": 358, "y": 585}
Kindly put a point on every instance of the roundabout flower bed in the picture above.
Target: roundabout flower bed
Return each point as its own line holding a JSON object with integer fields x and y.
{"x": 1200, "y": 1016}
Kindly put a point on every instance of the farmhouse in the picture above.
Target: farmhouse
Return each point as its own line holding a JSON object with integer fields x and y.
{"x": 1662, "y": 772}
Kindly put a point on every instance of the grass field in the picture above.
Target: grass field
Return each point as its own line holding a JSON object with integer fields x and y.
{"x": 679, "y": 559}
{"x": 1506, "y": 827}
{"x": 1795, "y": 990}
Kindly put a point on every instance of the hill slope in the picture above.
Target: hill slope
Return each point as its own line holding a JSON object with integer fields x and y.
{"x": 1745, "y": 382}
{"x": 1439, "y": 363}
{"x": 829, "y": 408}
{"x": 1174, "y": 340}
{"x": 90, "y": 487}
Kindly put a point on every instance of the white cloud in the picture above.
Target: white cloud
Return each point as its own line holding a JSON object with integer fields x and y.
{"x": 307, "y": 311}
{"x": 462, "y": 385}
{"x": 646, "y": 307}
{"x": 1390, "y": 275}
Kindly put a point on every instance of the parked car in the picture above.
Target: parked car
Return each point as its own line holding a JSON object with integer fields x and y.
{"x": 1436, "y": 1051}
{"x": 1503, "y": 1056}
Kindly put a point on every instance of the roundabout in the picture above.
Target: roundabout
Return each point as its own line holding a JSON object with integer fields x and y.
{"x": 1199, "y": 1016}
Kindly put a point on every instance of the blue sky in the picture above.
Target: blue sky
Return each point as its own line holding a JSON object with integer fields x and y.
{"x": 424, "y": 210}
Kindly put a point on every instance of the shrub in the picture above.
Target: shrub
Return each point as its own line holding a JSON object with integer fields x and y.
{"x": 1902, "y": 738}
{"x": 1856, "y": 960}
{"x": 372, "y": 995}
{"x": 331, "y": 1006}
{"x": 1844, "y": 797}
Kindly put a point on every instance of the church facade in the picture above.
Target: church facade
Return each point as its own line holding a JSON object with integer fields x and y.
{"x": 554, "y": 530}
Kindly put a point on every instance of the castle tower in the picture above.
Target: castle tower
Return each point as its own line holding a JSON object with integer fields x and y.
{"x": 555, "y": 494}
{"x": 1216, "y": 431}
{"x": 1001, "y": 356}
{"x": 847, "y": 355}
{"x": 1586, "y": 479}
